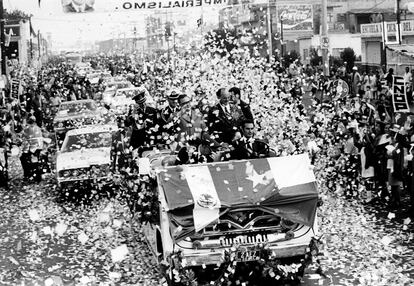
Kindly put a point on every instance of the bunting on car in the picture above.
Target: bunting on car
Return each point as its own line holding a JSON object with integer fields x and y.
{"x": 196, "y": 195}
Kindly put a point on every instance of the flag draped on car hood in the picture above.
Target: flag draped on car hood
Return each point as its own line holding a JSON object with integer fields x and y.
{"x": 196, "y": 195}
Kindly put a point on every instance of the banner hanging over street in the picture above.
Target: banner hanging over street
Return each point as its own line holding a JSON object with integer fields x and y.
{"x": 87, "y": 6}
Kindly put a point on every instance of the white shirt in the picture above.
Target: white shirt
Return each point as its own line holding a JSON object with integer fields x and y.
{"x": 407, "y": 77}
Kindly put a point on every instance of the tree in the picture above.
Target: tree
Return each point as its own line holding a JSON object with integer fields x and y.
{"x": 348, "y": 56}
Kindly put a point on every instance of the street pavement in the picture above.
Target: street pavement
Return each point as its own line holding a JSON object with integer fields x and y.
{"x": 43, "y": 240}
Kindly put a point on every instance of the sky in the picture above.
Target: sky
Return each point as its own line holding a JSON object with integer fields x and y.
{"x": 104, "y": 23}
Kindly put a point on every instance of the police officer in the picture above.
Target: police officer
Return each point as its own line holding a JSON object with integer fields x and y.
{"x": 169, "y": 118}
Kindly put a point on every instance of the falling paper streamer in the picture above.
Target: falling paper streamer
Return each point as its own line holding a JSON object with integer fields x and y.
{"x": 386, "y": 240}
{"x": 118, "y": 254}
{"x": 34, "y": 215}
{"x": 83, "y": 238}
{"x": 61, "y": 228}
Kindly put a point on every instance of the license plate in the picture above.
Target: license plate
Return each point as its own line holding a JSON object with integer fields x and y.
{"x": 248, "y": 255}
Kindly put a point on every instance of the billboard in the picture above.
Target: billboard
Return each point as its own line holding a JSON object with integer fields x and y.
{"x": 296, "y": 17}
{"x": 85, "y": 6}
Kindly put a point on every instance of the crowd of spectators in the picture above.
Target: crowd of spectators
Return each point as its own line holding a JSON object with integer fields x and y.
{"x": 208, "y": 108}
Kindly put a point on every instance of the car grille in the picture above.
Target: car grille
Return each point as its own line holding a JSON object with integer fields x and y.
{"x": 243, "y": 239}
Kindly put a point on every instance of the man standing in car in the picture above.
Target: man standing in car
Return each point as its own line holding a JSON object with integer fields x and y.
{"x": 142, "y": 119}
{"x": 247, "y": 147}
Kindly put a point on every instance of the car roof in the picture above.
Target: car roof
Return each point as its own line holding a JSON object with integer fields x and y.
{"x": 92, "y": 129}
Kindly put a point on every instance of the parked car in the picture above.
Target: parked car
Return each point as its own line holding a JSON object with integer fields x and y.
{"x": 85, "y": 155}
{"x": 206, "y": 209}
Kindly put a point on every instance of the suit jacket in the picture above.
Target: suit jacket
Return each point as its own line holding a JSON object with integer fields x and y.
{"x": 257, "y": 149}
{"x": 191, "y": 127}
{"x": 142, "y": 124}
{"x": 224, "y": 125}
{"x": 168, "y": 120}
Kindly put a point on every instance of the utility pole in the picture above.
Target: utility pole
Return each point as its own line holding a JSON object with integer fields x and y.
{"x": 31, "y": 41}
{"x": 2, "y": 39}
{"x": 282, "y": 44}
{"x": 269, "y": 33}
{"x": 324, "y": 38}
{"x": 39, "y": 44}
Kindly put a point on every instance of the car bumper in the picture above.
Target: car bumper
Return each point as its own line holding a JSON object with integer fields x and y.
{"x": 216, "y": 257}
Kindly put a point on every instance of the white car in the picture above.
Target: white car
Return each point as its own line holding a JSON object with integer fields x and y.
{"x": 85, "y": 155}
{"x": 206, "y": 209}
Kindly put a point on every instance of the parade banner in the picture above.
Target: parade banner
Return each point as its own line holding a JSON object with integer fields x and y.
{"x": 399, "y": 95}
{"x": 14, "y": 89}
{"x": 87, "y": 6}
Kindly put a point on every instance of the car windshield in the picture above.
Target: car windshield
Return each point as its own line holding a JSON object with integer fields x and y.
{"x": 87, "y": 140}
{"x": 128, "y": 93}
{"x": 77, "y": 107}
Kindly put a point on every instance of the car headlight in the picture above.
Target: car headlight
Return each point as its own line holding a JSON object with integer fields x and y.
{"x": 60, "y": 124}
{"x": 66, "y": 173}
{"x": 75, "y": 173}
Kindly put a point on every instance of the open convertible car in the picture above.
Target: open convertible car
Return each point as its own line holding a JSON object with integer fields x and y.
{"x": 205, "y": 209}
{"x": 85, "y": 156}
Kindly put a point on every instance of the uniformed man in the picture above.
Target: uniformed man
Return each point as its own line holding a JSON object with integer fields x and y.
{"x": 142, "y": 120}
{"x": 169, "y": 118}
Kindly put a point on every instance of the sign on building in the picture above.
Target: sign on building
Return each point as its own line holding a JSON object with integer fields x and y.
{"x": 399, "y": 95}
{"x": 296, "y": 16}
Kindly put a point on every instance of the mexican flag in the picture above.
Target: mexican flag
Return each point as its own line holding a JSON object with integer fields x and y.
{"x": 197, "y": 195}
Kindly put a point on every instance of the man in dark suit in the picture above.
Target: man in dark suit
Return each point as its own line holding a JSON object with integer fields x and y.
{"x": 77, "y": 6}
{"x": 169, "y": 116}
{"x": 247, "y": 147}
{"x": 142, "y": 120}
{"x": 224, "y": 118}
{"x": 244, "y": 107}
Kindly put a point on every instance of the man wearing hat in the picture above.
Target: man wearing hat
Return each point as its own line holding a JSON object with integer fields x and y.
{"x": 192, "y": 129}
{"x": 191, "y": 123}
{"x": 169, "y": 115}
{"x": 142, "y": 119}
